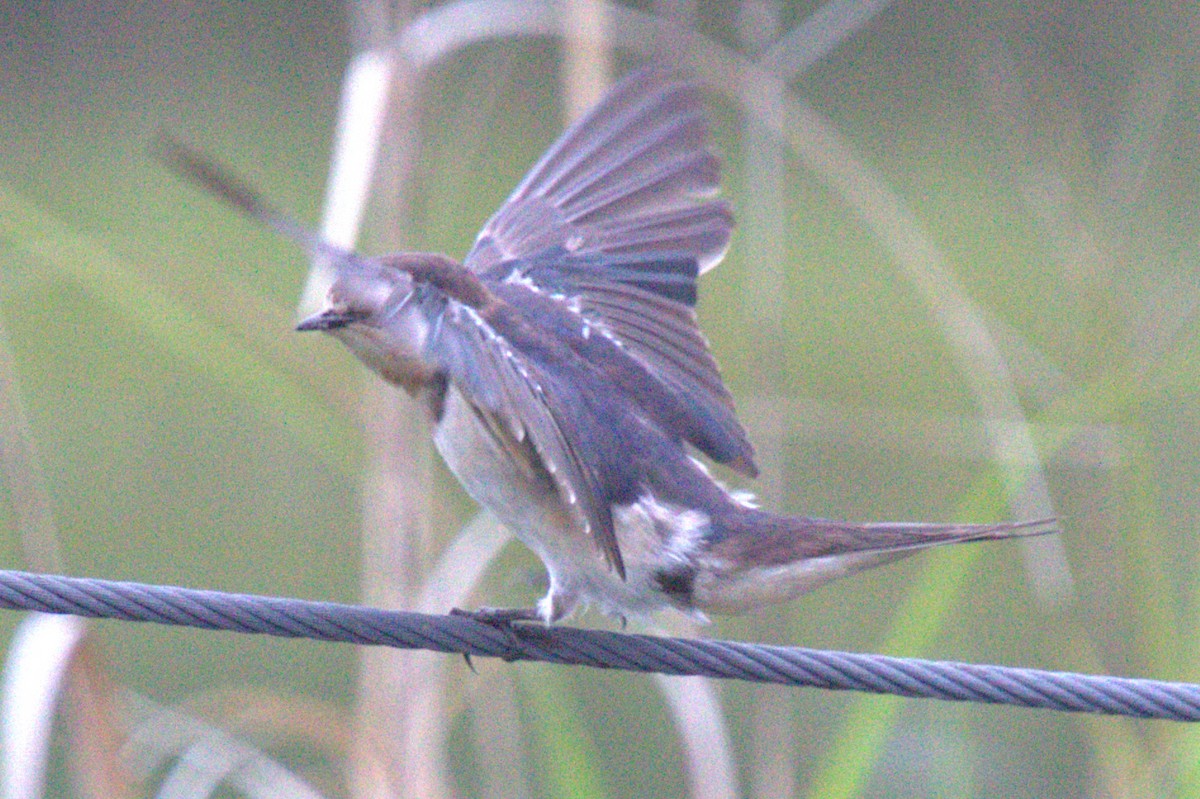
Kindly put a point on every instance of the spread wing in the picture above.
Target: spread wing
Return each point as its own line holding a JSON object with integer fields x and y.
{"x": 617, "y": 219}
{"x": 631, "y": 176}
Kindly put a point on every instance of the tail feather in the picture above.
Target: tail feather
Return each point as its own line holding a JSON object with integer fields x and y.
{"x": 766, "y": 539}
{"x": 762, "y": 558}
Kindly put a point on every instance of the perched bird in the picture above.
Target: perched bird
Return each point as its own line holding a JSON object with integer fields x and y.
{"x": 567, "y": 381}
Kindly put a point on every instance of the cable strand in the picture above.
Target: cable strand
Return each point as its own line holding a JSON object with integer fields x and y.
{"x": 463, "y": 634}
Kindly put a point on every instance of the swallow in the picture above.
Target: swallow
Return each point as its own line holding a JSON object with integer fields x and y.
{"x": 568, "y": 385}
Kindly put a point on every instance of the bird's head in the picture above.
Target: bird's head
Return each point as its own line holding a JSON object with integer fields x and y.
{"x": 372, "y": 308}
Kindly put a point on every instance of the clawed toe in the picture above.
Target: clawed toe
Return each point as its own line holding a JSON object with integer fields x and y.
{"x": 502, "y": 619}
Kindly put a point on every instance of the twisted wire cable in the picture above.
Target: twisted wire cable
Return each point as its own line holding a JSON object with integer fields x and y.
{"x": 467, "y": 635}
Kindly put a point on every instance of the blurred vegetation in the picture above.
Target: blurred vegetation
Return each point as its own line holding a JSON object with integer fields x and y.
{"x": 1050, "y": 150}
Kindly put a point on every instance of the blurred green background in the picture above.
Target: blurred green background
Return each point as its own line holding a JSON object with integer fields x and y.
{"x": 1050, "y": 151}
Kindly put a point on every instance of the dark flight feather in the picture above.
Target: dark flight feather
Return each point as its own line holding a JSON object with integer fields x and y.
{"x": 632, "y": 176}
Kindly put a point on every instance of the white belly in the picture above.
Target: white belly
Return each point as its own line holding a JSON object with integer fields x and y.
{"x": 504, "y": 476}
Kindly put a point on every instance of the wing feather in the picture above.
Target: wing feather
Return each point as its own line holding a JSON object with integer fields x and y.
{"x": 532, "y": 405}
{"x": 645, "y": 304}
{"x": 633, "y": 175}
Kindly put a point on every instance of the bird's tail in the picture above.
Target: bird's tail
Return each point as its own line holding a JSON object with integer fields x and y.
{"x": 762, "y": 558}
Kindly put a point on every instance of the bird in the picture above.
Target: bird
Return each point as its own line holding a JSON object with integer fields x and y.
{"x": 567, "y": 382}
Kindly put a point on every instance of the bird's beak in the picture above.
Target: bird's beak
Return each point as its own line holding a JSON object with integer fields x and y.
{"x": 328, "y": 319}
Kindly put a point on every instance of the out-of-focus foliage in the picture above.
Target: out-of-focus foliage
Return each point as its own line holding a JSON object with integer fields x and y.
{"x": 1049, "y": 151}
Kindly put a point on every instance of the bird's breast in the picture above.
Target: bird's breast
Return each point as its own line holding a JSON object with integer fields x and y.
{"x": 504, "y": 475}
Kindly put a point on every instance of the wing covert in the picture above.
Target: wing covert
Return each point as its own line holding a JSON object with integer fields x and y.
{"x": 644, "y": 303}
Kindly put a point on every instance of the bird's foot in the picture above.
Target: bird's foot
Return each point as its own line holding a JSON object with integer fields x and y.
{"x": 501, "y": 619}
{"x": 498, "y": 617}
